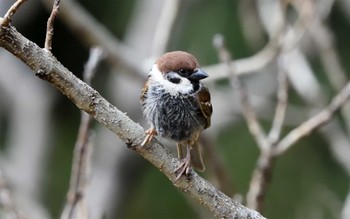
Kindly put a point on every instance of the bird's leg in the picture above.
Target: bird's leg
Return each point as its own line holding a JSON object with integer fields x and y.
{"x": 185, "y": 165}
{"x": 150, "y": 133}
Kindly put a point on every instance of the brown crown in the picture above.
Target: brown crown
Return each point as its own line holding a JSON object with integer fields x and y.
{"x": 173, "y": 61}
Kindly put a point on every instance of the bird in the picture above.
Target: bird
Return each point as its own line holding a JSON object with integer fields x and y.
{"x": 177, "y": 106}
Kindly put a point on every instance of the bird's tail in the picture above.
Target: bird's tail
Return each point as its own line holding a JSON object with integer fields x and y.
{"x": 195, "y": 155}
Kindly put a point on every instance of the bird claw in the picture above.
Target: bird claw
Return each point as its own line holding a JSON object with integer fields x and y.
{"x": 150, "y": 133}
{"x": 183, "y": 169}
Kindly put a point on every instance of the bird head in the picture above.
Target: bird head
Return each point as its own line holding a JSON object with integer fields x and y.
{"x": 179, "y": 72}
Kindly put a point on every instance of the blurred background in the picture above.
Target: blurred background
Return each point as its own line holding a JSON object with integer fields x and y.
{"x": 39, "y": 125}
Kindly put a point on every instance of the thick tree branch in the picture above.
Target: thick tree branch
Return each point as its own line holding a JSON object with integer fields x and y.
{"x": 46, "y": 66}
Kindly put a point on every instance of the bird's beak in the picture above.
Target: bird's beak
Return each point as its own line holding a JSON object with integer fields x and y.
{"x": 198, "y": 74}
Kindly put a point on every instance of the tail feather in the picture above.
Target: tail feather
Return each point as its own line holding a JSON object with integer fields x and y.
{"x": 195, "y": 155}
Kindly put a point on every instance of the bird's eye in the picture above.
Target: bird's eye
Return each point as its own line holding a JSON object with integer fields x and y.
{"x": 182, "y": 71}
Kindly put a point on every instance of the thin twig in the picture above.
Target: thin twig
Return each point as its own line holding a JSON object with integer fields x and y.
{"x": 5, "y": 21}
{"x": 248, "y": 112}
{"x": 50, "y": 23}
{"x": 260, "y": 180}
{"x": 81, "y": 159}
{"x": 96, "y": 55}
{"x": 282, "y": 102}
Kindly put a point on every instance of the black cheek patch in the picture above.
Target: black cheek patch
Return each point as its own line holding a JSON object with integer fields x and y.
{"x": 195, "y": 85}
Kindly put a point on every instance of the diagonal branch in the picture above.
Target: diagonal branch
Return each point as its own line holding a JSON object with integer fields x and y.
{"x": 48, "y": 68}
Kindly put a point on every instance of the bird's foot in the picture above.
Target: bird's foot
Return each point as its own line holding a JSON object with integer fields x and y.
{"x": 184, "y": 168}
{"x": 150, "y": 133}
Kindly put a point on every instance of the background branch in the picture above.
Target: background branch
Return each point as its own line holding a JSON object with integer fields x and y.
{"x": 282, "y": 102}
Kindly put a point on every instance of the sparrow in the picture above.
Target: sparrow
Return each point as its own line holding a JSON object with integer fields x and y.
{"x": 177, "y": 106}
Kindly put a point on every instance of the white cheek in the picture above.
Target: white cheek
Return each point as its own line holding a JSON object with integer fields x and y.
{"x": 184, "y": 87}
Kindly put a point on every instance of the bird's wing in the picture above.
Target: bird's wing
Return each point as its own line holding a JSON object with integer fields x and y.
{"x": 205, "y": 104}
{"x": 144, "y": 93}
